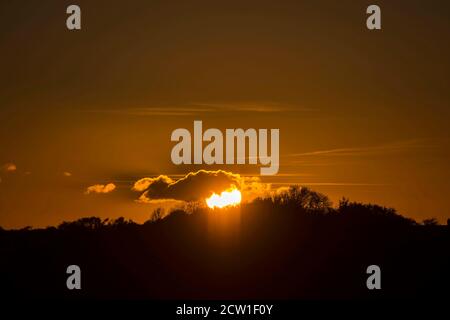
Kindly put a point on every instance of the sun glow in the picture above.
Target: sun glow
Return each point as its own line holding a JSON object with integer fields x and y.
{"x": 231, "y": 197}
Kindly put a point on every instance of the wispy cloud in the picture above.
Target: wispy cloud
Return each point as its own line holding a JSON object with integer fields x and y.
{"x": 153, "y": 111}
{"x": 9, "y": 167}
{"x": 393, "y": 147}
{"x": 261, "y": 107}
{"x": 202, "y": 108}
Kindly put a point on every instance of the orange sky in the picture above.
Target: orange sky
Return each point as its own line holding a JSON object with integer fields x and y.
{"x": 361, "y": 114}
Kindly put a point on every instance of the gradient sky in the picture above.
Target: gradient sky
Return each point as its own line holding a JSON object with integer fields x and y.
{"x": 362, "y": 114}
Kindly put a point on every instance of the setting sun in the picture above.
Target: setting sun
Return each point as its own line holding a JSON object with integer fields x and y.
{"x": 230, "y": 197}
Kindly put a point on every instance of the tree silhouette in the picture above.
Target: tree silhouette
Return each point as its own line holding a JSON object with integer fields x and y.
{"x": 294, "y": 245}
{"x": 430, "y": 222}
{"x": 303, "y": 198}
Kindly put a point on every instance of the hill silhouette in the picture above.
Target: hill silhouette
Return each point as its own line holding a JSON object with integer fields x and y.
{"x": 290, "y": 246}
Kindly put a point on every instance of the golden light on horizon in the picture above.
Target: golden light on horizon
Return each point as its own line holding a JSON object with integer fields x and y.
{"x": 230, "y": 197}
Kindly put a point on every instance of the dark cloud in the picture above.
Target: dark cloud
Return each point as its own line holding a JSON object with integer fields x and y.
{"x": 194, "y": 186}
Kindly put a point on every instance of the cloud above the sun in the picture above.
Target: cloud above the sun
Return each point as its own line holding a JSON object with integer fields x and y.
{"x": 197, "y": 186}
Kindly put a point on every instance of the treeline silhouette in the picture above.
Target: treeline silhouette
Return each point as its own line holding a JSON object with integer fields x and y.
{"x": 294, "y": 245}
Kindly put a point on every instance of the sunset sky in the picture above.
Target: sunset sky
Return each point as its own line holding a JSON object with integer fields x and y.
{"x": 362, "y": 114}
